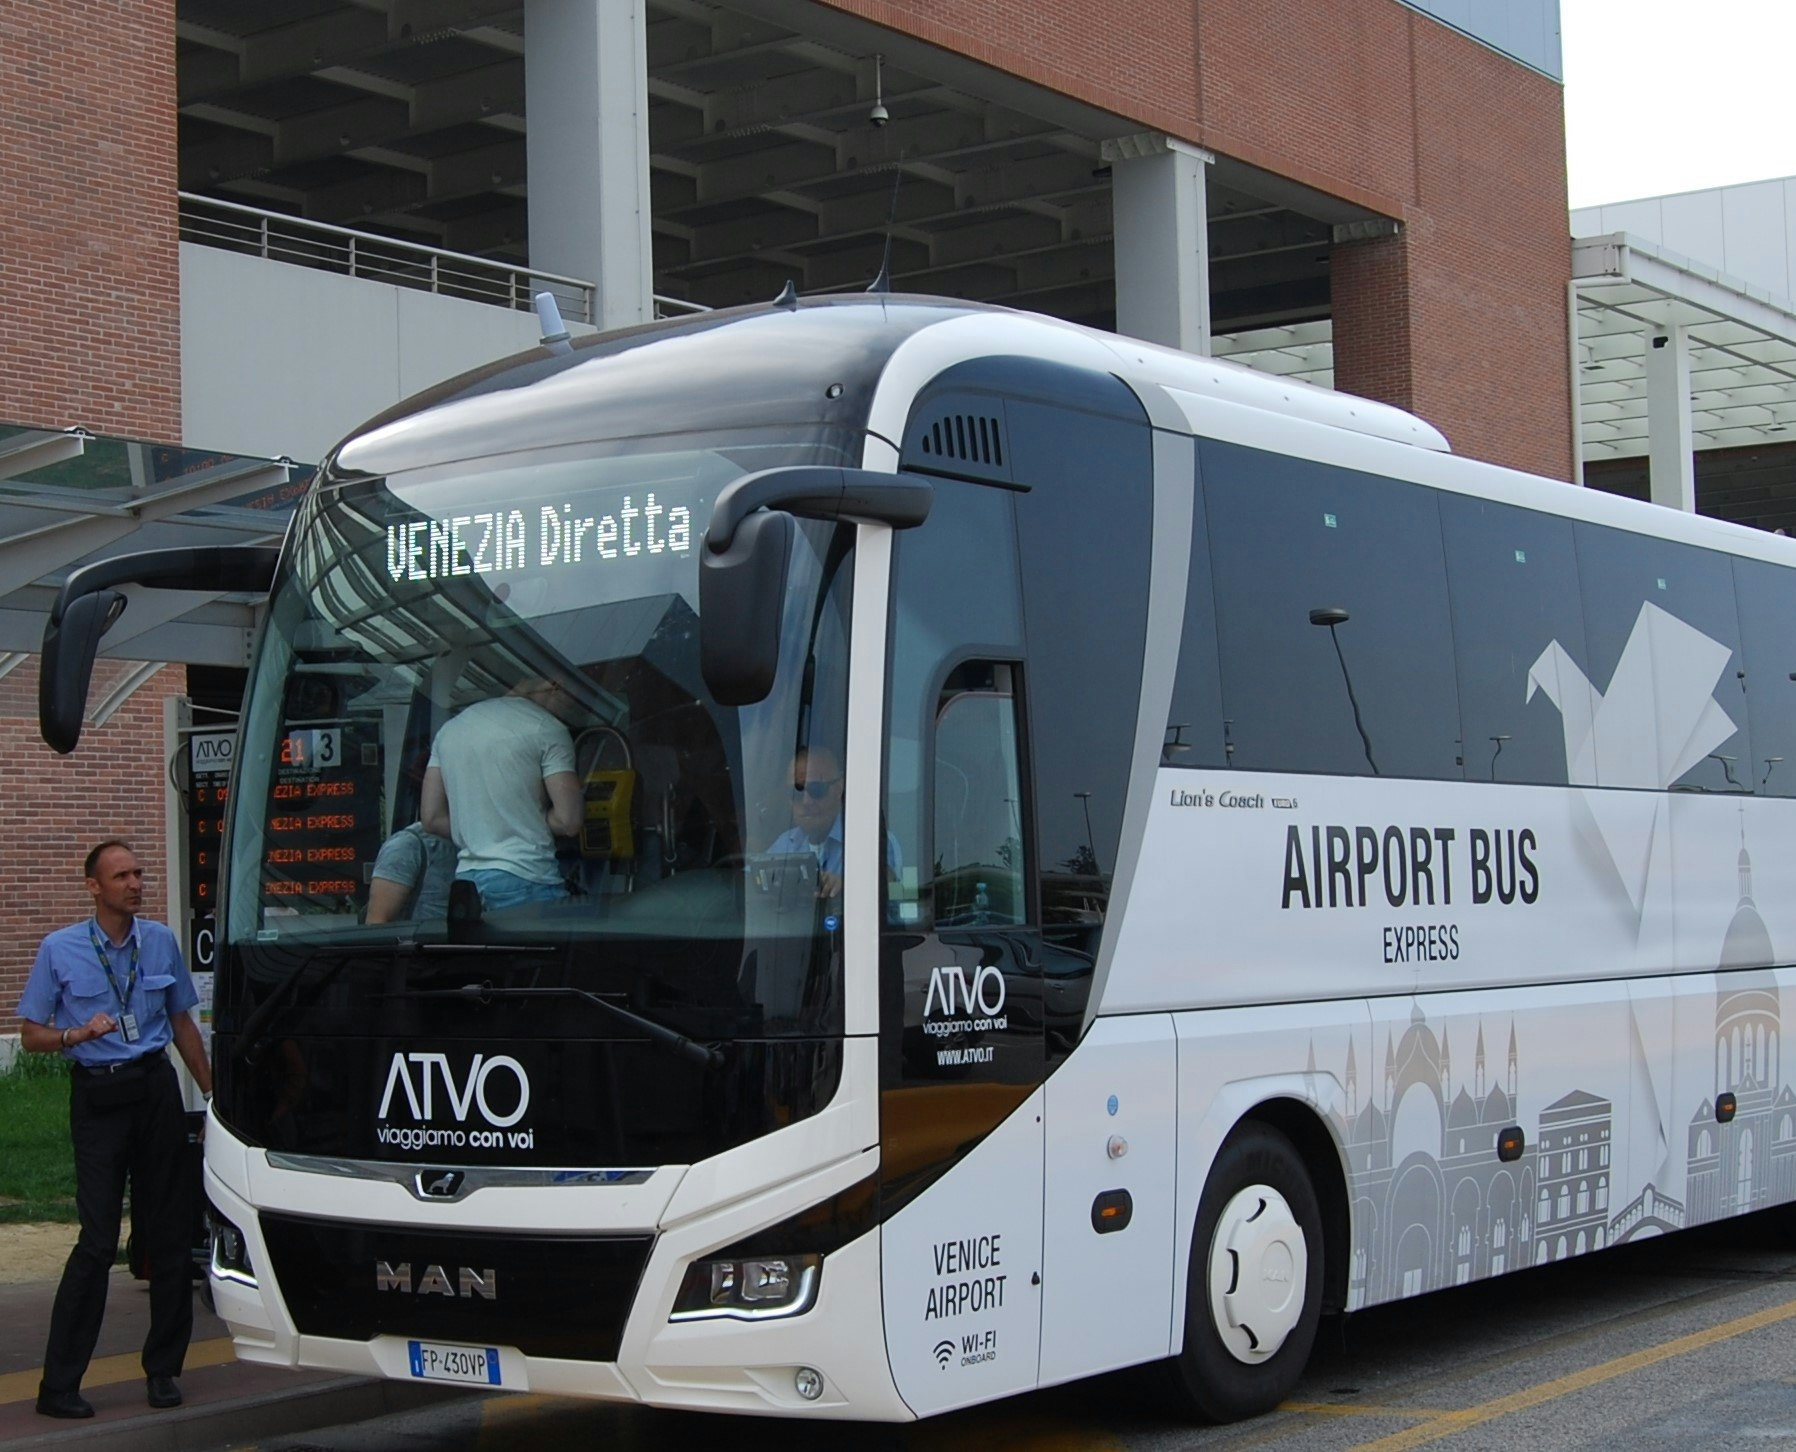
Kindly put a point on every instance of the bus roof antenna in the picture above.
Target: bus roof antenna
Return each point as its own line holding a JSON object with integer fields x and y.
{"x": 555, "y": 335}
{"x": 883, "y": 283}
{"x": 788, "y": 297}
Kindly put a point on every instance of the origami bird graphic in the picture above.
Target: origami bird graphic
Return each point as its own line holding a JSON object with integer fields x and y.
{"x": 1578, "y": 701}
{"x": 1658, "y": 718}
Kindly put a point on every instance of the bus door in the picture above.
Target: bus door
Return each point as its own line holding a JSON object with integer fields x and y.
{"x": 1089, "y": 532}
{"x": 961, "y": 1031}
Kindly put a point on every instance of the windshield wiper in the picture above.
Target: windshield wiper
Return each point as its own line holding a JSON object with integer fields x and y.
{"x": 707, "y": 1055}
{"x": 408, "y": 946}
{"x": 286, "y": 997}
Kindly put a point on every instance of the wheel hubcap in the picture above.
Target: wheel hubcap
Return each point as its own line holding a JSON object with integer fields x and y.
{"x": 1259, "y": 1267}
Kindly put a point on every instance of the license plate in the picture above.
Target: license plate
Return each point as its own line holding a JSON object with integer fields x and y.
{"x": 435, "y": 1361}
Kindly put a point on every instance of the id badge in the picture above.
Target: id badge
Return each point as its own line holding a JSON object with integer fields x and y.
{"x": 127, "y": 1027}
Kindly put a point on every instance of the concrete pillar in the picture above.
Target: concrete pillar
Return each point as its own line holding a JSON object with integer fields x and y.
{"x": 586, "y": 89}
{"x": 1162, "y": 245}
{"x": 1574, "y": 355}
{"x": 1670, "y": 448}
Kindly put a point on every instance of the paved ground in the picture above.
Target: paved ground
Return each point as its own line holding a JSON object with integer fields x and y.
{"x": 1683, "y": 1343}
{"x": 228, "y": 1402}
{"x": 33, "y": 1252}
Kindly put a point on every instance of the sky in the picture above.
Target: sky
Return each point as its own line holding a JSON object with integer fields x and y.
{"x": 1676, "y": 95}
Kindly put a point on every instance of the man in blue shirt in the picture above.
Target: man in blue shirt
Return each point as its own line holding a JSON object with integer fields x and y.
{"x": 817, "y": 819}
{"x": 110, "y": 994}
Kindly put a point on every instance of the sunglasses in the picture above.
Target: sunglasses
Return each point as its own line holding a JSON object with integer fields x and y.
{"x": 817, "y": 788}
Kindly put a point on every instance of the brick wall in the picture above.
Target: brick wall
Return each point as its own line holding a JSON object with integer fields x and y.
{"x": 1490, "y": 255}
{"x": 1375, "y": 342}
{"x": 89, "y": 267}
{"x": 1754, "y": 486}
{"x": 59, "y": 806}
{"x": 1363, "y": 99}
{"x": 1462, "y": 319}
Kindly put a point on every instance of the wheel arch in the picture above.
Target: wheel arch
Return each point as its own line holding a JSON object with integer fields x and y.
{"x": 1321, "y": 1154}
{"x": 1308, "y": 1108}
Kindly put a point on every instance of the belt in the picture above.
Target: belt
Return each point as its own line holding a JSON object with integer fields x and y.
{"x": 122, "y": 1066}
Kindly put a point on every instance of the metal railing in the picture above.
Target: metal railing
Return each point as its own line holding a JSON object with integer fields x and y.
{"x": 281, "y": 238}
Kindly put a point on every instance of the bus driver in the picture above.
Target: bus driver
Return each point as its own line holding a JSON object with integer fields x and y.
{"x": 817, "y": 819}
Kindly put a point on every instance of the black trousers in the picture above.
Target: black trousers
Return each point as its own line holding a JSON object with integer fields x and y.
{"x": 142, "y": 1140}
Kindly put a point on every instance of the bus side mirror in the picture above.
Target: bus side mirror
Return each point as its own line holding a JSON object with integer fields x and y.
{"x": 748, "y": 544}
{"x": 741, "y": 591}
{"x": 88, "y": 604}
{"x": 70, "y": 646}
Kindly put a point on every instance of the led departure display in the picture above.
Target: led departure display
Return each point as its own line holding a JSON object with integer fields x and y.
{"x": 208, "y": 790}
{"x": 323, "y": 818}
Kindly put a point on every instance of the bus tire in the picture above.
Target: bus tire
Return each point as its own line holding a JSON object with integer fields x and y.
{"x": 1254, "y": 1292}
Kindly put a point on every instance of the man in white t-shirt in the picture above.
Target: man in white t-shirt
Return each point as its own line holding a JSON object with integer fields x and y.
{"x": 502, "y": 787}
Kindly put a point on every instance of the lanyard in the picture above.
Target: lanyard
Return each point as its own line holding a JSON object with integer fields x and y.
{"x": 124, "y": 999}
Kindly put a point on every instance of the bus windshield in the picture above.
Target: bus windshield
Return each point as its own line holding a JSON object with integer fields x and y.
{"x": 478, "y": 759}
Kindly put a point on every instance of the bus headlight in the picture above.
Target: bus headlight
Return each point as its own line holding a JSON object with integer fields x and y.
{"x": 230, "y": 1252}
{"x": 749, "y": 1289}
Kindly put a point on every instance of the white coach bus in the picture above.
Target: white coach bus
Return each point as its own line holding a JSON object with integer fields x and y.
{"x": 1281, "y": 868}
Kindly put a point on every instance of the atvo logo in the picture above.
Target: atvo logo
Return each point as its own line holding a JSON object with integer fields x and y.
{"x": 213, "y": 750}
{"x": 470, "y": 1094}
{"x": 954, "y": 997}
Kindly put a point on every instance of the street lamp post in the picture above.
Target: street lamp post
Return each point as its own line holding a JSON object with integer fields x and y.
{"x": 1331, "y": 616}
{"x": 1090, "y": 842}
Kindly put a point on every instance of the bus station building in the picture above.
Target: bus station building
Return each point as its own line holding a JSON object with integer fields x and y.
{"x": 233, "y": 232}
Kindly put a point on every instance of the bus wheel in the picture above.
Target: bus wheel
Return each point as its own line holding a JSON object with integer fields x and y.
{"x": 1254, "y": 1295}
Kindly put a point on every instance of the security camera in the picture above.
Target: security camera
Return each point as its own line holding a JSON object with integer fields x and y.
{"x": 878, "y": 116}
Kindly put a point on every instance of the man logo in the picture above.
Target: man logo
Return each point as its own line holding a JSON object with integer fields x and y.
{"x": 435, "y": 1281}
{"x": 439, "y": 1184}
{"x": 944, "y": 1353}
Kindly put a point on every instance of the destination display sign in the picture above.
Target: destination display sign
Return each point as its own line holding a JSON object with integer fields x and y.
{"x": 209, "y": 758}
{"x": 497, "y": 541}
{"x": 324, "y": 826}
{"x": 205, "y": 829}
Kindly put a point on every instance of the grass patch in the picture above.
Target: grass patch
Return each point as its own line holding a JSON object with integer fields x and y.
{"x": 37, "y": 1166}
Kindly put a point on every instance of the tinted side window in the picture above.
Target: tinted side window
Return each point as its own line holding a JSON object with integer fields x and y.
{"x": 1084, "y": 529}
{"x": 1513, "y": 578}
{"x": 1767, "y": 604}
{"x": 1194, "y": 722}
{"x": 1667, "y": 689}
{"x": 956, "y": 596}
{"x": 1293, "y": 542}
{"x": 980, "y": 867}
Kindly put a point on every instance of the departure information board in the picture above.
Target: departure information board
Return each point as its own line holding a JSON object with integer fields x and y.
{"x": 209, "y": 772}
{"x": 324, "y": 824}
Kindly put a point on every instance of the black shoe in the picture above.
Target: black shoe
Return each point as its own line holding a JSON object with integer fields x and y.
{"x": 69, "y": 1404}
{"x": 163, "y": 1392}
